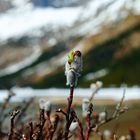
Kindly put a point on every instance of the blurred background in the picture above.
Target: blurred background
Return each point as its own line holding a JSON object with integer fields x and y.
{"x": 36, "y": 36}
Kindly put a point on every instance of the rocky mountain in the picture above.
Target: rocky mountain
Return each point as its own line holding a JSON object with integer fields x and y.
{"x": 34, "y": 47}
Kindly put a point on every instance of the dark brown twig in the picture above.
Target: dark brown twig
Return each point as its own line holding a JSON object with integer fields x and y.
{"x": 31, "y": 131}
{"x": 12, "y": 118}
{"x": 88, "y": 122}
{"x": 41, "y": 124}
{"x": 24, "y": 109}
{"x": 49, "y": 126}
{"x": 6, "y": 102}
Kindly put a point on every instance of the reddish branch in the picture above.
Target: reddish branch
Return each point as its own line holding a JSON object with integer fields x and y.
{"x": 118, "y": 111}
{"x": 79, "y": 123}
{"x": 68, "y": 117}
{"x": 54, "y": 126}
{"x": 48, "y": 125}
{"x": 41, "y": 125}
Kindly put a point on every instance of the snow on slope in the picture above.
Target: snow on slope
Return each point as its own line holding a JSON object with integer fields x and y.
{"x": 26, "y": 19}
{"x": 105, "y": 93}
{"x": 24, "y": 63}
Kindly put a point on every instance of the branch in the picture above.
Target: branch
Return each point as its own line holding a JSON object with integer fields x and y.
{"x": 68, "y": 121}
{"x": 31, "y": 131}
{"x": 41, "y": 124}
{"x": 12, "y": 118}
{"x": 79, "y": 123}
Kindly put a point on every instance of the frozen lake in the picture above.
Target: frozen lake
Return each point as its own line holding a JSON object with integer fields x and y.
{"x": 105, "y": 93}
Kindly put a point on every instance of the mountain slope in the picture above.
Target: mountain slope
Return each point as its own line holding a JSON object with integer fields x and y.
{"x": 107, "y": 32}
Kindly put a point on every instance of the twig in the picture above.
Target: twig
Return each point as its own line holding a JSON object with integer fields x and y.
{"x": 27, "y": 104}
{"x": 6, "y": 102}
{"x": 79, "y": 123}
{"x": 13, "y": 115}
{"x": 41, "y": 124}
{"x": 61, "y": 111}
{"x": 31, "y": 131}
{"x": 68, "y": 122}
{"x": 54, "y": 126}
{"x": 93, "y": 94}
{"x": 48, "y": 125}
{"x": 88, "y": 122}
{"x": 118, "y": 111}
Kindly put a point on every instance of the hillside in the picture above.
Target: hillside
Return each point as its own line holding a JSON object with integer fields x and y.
{"x": 106, "y": 32}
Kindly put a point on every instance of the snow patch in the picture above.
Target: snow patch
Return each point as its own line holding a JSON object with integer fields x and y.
{"x": 26, "y": 62}
{"x": 104, "y": 93}
{"x": 97, "y": 74}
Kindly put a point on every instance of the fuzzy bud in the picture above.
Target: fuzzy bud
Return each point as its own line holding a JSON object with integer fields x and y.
{"x": 107, "y": 134}
{"x": 96, "y": 86}
{"x": 73, "y": 67}
{"x": 42, "y": 103}
{"x": 47, "y": 106}
{"x": 85, "y": 107}
{"x": 102, "y": 116}
{"x": 71, "y": 78}
{"x": 122, "y": 138}
{"x": 73, "y": 127}
{"x": 128, "y": 137}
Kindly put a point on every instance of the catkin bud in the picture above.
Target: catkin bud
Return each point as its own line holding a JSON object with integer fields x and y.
{"x": 42, "y": 103}
{"x": 73, "y": 67}
{"x": 71, "y": 78}
{"x": 99, "y": 84}
{"x": 73, "y": 127}
{"x": 102, "y": 116}
{"x": 122, "y": 138}
{"x": 47, "y": 106}
{"x": 107, "y": 134}
{"x": 96, "y": 86}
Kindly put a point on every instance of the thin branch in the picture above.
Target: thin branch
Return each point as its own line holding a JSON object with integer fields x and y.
{"x": 41, "y": 125}
{"x": 31, "y": 131}
{"x": 12, "y": 118}
{"x": 68, "y": 122}
{"x": 79, "y": 123}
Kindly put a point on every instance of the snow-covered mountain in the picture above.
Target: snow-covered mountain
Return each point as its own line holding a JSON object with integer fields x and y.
{"x": 47, "y": 27}
{"x": 25, "y": 19}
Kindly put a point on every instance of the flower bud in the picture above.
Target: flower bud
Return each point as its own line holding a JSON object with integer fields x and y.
{"x": 128, "y": 137}
{"x": 102, "y": 116}
{"x": 73, "y": 127}
{"x": 96, "y": 86}
{"x": 122, "y": 138}
{"x": 73, "y": 67}
{"x": 99, "y": 84}
{"x": 107, "y": 134}
{"x": 47, "y": 106}
{"x": 71, "y": 78}
{"x": 42, "y": 103}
